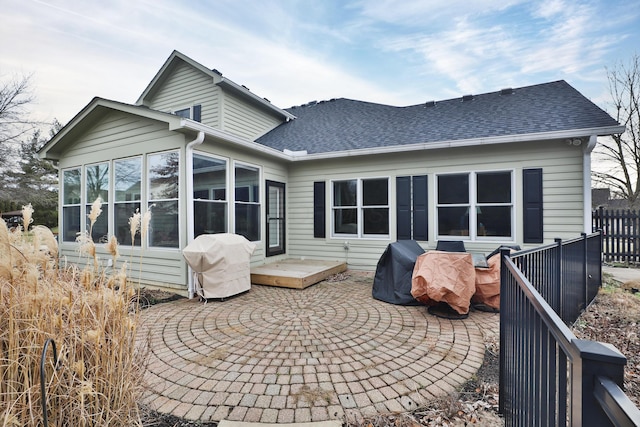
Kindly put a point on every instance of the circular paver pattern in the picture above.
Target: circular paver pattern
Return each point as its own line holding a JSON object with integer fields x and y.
{"x": 288, "y": 355}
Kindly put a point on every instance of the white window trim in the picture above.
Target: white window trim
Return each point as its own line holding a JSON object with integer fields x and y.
{"x": 232, "y": 197}
{"x": 84, "y": 226}
{"x": 80, "y": 204}
{"x": 473, "y": 205}
{"x": 146, "y": 201}
{"x": 359, "y": 210}
{"x": 113, "y": 202}
{"x": 186, "y": 107}
{"x": 227, "y": 187}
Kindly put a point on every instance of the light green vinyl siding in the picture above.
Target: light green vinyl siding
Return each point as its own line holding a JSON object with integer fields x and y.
{"x": 562, "y": 193}
{"x": 186, "y": 86}
{"x": 245, "y": 120}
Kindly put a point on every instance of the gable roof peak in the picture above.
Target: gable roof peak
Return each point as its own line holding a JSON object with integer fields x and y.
{"x": 216, "y": 77}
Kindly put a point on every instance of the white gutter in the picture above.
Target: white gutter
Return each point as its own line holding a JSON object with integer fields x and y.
{"x": 231, "y": 138}
{"x": 504, "y": 139}
{"x": 189, "y": 176}
{"x": 586, "y": 182}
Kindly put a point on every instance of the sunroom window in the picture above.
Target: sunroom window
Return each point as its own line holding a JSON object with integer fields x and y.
{"x": 209, "y": 195}
{"x": 163, "y": 187}
{"x": 127, "y": 188}
{"x": 71, "y": 192}
{"x": 247, "y": 201}
{"x": 97, "y": 185}
{"x": 475, "y": 205}
{"x": 361, "y": 207}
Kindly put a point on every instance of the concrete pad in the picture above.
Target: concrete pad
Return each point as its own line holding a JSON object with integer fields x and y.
{"x": 226, "y": 423}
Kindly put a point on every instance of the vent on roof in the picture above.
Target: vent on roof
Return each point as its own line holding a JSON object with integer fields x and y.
{"x": 506, "y": 91}
{"x": 430, "y": 104}
{"x": 217, "y": 72}
{"x": 246, "y": 88}
{"x": 467, "y": 98}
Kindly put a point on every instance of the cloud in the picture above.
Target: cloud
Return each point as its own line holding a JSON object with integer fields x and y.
{"x": 557, "y": 40}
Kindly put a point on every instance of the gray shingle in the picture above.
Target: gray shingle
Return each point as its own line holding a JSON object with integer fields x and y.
{"x": 345, "y": 124}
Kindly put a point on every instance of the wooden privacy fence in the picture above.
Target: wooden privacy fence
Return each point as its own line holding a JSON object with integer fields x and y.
{"x": 620, "y": 234}
{"x": 548, "y": 377}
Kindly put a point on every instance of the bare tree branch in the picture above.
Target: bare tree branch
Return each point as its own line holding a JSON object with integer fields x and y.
{"x": 622, "y": 152}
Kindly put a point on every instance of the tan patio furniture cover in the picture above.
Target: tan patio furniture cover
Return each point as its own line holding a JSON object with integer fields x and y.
{"x": 488, "y": 284}
{"x": 444, "y": 277}
{"x": 220, "y": 263}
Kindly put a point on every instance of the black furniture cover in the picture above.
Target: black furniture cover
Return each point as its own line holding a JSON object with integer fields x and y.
{"x": 392, "y": 282}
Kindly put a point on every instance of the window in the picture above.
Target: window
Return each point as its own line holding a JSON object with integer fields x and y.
{"x": 70, "y": 204}
{"x": 209, "y": 195}
{"x": 476, "y": 205}
{"x": 127, "y": 189}
{"x": 163, "y": 184}
{"x": 247, "y": 201}
{"x": 361, "y": 207}
{"x": 194, "y": 112}
{"x": 97, "y": 185}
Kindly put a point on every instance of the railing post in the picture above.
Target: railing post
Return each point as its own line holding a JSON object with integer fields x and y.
{"x": 595, "y": 359}
{"x": 559, "y": 298}
{"x": 585, "y": 272}
{"x": 504, "y": 253}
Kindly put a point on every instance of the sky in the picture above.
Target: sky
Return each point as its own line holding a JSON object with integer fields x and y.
{"x": 396, "y": 52}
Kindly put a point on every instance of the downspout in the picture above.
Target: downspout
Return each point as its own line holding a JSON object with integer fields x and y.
{"x": 586, "y": 182}
{"x": 189, "y": 153}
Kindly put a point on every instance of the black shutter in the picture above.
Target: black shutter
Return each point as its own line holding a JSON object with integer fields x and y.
{"x": 319, "y": 212}
{"x": 420, "y": 213}
{"x": 197, "y": 112}
{"x": 403, "y": 207}
{"x": 532, "y": 212}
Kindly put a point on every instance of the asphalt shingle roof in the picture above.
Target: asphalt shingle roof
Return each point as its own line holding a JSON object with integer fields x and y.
{"x": 345, "y": 124}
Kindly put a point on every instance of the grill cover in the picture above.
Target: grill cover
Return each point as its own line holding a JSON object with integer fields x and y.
{"x": 444, "y": 277}
{"x": 220, "y": 264}
{"x": 392, "y": 282}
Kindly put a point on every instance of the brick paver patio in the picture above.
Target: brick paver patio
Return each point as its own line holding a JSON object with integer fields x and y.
{"x": 276, "y": 355}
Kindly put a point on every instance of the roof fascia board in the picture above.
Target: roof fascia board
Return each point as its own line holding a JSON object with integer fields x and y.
{"x": 235, "y": 87}
{"x": 108, "y": 104}
{"x": 546, "y": 136}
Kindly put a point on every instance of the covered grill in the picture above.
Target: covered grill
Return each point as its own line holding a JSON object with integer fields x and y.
{"x": 220, "y": 264}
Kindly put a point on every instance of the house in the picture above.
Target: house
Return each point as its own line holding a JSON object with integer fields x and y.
{"x": 329, "y": 180}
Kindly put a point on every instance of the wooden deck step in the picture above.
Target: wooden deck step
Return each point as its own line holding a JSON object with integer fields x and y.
{"x": 295, "y": 273}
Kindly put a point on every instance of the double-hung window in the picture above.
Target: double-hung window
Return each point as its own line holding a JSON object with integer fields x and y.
{"x": 209, "y": 195}
{"x": 71, "y": 192}
{"x": 476, "y": 205}
{"x": 247, "y": 201}
{"x": 127, "y": 177}
{"x": 163, "y": 185}
{"x": 97, "y": 185}
{"x": 360, "y": 207}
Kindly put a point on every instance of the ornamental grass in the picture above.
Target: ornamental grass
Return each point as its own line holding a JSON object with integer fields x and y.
{"x": 87, "y": 313}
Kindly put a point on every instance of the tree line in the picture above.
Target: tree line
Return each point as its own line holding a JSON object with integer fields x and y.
{"x": 25, "y": 177}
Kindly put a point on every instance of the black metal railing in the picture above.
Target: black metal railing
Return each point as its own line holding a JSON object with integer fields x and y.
{"x": 548, "y": 377}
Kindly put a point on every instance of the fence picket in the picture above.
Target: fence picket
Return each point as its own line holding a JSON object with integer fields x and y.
{"x": 621, "y": 234}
